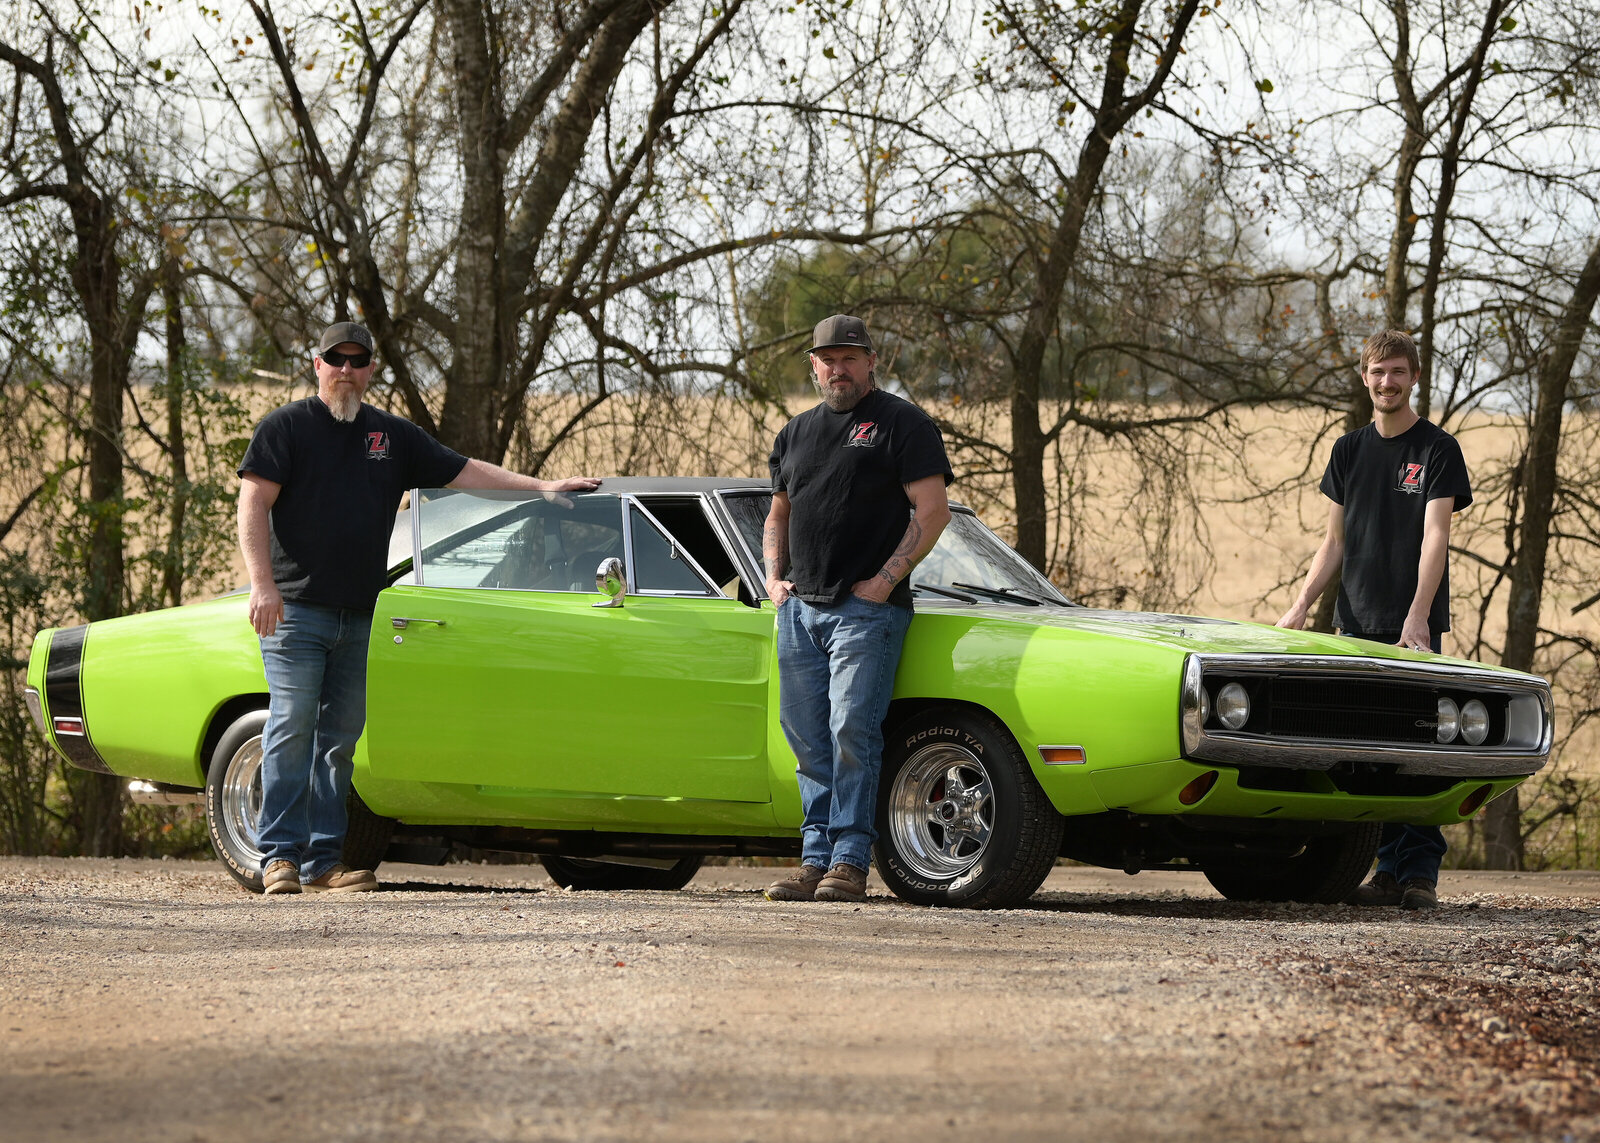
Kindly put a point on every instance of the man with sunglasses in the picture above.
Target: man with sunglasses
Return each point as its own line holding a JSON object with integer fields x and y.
{"x": 321, "y": 482}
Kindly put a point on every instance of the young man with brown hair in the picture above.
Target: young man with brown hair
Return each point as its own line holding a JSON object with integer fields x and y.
{"x": 1394, "y": 485}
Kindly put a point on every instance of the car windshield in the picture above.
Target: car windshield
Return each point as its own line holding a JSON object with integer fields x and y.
{"x": 969, "y": 563}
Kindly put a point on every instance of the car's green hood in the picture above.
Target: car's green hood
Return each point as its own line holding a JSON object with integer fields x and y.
{"x": 1180, "y": 633}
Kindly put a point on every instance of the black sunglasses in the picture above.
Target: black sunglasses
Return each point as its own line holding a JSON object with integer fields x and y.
{"x": 338, "y": 360}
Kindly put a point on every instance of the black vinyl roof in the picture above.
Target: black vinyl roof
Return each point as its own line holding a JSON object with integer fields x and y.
{"x": 686, "y": 485}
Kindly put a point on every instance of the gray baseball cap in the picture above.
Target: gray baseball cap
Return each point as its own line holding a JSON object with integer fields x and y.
{"x": 840, "y": 329}
{"x": 342, "y": 331}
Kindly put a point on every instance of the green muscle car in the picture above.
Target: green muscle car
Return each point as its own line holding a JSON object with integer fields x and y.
{"x": 592, "y": 679}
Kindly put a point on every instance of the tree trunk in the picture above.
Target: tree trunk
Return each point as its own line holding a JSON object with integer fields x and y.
{"x": 111, "y": 324}
{"x": 471, "y": 407}
{"x": 1502, "y": 831}
{"x": 1449, "y": 166}
{"x": 1028, "y": 440}
{"x": 496, "y": 257}
{"x": 177, "y": 450}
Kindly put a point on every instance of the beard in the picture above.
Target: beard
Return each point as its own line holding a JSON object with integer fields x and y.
{"x": 843, "y": 400}
{"x": 344, "y": 405}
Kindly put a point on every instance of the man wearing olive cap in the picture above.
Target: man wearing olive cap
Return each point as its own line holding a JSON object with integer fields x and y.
{"x": 858, "y": 498}
{"x": 321, "y": 482}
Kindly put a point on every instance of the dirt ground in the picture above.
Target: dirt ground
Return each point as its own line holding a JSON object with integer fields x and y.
{"x": 145, "y": 1000}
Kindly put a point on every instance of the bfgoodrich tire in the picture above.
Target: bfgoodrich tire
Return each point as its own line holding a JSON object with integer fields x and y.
{"x": 233, "y": 799}
{"x": 233, "y": 805}
{"x": 961, "y": 818}
{"x": 584, "y": 873}
{"x": 1324, "y": 873}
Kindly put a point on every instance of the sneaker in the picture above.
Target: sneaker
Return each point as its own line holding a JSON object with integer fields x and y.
{"x": 843, "y": 883}
{"x": 1419, "y": 894}
{"x": 281, "y": 877}
{"x": 343, "y": 879}
{"x": 801, "y": 885}
{"x": 1383, "y": 889}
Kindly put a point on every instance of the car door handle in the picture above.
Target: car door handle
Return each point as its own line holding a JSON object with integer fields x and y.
{"x": 401, "y": 622}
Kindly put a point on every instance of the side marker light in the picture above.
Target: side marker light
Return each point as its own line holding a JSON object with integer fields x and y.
{"x": 1062, "y": 755}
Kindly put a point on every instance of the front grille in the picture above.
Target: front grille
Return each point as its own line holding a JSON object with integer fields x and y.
{"x": 1348, "y": 709}
{"x": 1316, "y": 712}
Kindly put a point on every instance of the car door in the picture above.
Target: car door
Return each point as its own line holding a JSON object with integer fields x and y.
{"x": 491, "y": 666}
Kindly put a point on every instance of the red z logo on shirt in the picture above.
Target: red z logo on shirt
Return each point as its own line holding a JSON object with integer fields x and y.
{"x": 377, "y": 446}
{"x": 1410, "y": 478}
{"x": 863, "y": 435}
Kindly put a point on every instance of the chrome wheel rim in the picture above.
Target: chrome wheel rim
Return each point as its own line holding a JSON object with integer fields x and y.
{"x": 241, "y": 802}
{"x": 941, "y": 811}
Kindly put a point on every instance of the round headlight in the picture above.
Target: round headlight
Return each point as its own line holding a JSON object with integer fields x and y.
{"x": 1474, "y": 722}
{"x": 1233, "y": 706}
{"x": 1449, "y": 718}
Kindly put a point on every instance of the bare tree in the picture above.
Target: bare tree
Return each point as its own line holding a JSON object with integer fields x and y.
{"x": 73, "y": 174}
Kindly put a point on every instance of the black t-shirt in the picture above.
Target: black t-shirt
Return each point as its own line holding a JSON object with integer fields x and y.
{"x": 341, "y": 486}
{"x": 1385, "y": 484}
{"x": 845, "y": 475}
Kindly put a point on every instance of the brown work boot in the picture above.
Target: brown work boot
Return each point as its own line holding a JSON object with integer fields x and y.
{"x": 1419, "y": 894}
{"x": 343, "y": 879}
{"x": 280, "y": 877}
{"x": 1383, "y": 889}
{"x": 801, "y": 885}
{"x": 844, "y": 882}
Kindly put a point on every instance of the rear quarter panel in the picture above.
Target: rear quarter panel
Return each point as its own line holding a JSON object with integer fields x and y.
{"x": 152, "y": 683}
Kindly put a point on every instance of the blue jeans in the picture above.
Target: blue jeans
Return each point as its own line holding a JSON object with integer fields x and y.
{"x": 1408, "y": 852}
{"x": 316, "y": 663}
{"x": 836, "y": 665}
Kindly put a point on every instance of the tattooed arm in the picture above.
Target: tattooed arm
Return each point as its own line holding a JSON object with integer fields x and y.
{"x": 775, "y": 548}
{"x": 930, "y": 512}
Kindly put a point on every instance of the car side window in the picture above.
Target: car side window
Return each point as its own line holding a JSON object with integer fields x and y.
{"x": 749, "y": 511}
{"x": 523, "y": 544}
{"x": 660, "y": 564}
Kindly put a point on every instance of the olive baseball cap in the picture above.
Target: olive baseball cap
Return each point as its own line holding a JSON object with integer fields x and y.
{"x": 840, "y": 329}
{"x": 342, "y": 331}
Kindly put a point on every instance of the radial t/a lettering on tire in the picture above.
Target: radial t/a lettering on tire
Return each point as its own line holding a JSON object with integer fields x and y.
{"x": 961, "y": 818}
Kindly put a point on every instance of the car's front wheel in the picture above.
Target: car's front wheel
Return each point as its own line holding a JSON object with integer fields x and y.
{"x": 961, "y": 818}
{"x": 233, "y": 807}
{"x": 619, "y": 873}
{"x": 1325, "y": 872}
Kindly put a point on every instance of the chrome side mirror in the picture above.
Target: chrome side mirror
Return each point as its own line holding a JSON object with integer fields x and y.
{"x": 610, "y": 582}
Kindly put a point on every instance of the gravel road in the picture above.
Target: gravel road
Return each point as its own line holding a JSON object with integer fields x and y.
{"x": 144, "y": 1000}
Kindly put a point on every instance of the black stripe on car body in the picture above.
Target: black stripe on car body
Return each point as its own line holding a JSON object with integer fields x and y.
{"x": 63, "y": 688}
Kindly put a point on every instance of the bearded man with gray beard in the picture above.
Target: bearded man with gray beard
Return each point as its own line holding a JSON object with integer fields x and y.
{"x": 321, "y": 482}
{"x": 858, "y": 499}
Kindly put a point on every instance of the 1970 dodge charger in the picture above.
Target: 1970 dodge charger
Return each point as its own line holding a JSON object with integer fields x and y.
{"x": 592, "y": 679}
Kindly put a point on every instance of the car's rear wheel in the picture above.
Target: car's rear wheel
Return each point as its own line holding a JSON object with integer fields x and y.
{"x": 233, "y": 807}
{"x": 961, "y": 818}
{"x": 620, "y": 873}
{"x": 1325, "y": 872}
